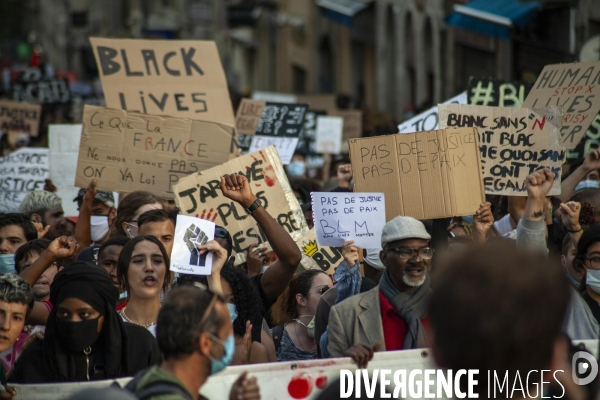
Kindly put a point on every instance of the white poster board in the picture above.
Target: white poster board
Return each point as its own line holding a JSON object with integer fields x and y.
{"x": 191, "y": 233}
{"x": 429, "y": 120}
{"x": 339, "y": 217}
{"x": 22, "y": 172}
{"x": 329, "y": 134}
{"x": 285, "y": 146}
{"x": 63, "y": 141}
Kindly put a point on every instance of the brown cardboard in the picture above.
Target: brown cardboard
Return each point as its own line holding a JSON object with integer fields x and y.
{"x": 352, "y": 123}
{"x": 20, "y": 117}
{"x": 180, "y": 78}
{"x": 319, "y": 257}
{"x": 318, "y": 102}
{"x": 128, "y": 151}
{"x": 199, "y": 195}
{"x": 432, "y": 174}
{"x": 248, "y": 116}
{"x": 513, "y": 142}
{"x": 575, "y": 87}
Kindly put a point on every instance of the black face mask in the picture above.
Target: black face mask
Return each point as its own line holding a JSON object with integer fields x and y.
{"x": 77, "y": 336}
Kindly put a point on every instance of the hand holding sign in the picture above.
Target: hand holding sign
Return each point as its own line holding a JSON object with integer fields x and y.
{"x": 191, "y": 252}
{"x": 340, "y": 217}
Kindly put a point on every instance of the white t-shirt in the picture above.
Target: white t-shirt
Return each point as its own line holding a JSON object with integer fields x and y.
{"x": 505, "y": 224}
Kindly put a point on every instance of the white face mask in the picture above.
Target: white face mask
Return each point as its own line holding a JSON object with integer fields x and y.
{"x": 592, "y": 279}
{"x": 310, "y": 328}
{"x": 99, "y": 226}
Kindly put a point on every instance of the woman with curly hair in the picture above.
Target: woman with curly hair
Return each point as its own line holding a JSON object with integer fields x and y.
{"x": 295, "y": 310}
{"x": 245, "y": 310}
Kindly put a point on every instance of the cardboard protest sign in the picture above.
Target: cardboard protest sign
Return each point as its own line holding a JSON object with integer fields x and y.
{"x": 589, "y": 142}
{"x": 129, "y": 151}
{"x": 329, "y": 134}
{"x": 180, "y": 78}
{"x": 20, "y": 117}
{"x": 513, "y": 141}
{"x": 285, "y": 146}
{"x": 200, "y": 195}
{"x": 339, "y": 217}
{"x": 315, "y": 256}
{"x": 22, "y": 172}
{"x": 352, "y": 123}
{"x": 575, "y": 87}
{"x": 191, "y": 233}
{"x": 280, "y": 125}
{"x": 248, "y": 116}
{"x": 424, "y": 175}
{"x": 429, "y": 120}
{"x": 63, "y": 142}
{"x": 36, "y": 86}
{"x": 497, "y": 93}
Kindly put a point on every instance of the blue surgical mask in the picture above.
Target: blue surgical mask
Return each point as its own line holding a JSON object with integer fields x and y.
{"x": 592, "y": 279}
{"x": 588, "y": 183}
{"x": 296, "y": 169}
{"x": 232, "y": 311}
{"x": 468, "y": 219}
{"x": 7, "y": 264}
{"x": 229, "y": 348}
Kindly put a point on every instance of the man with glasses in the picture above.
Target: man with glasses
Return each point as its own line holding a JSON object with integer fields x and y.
{"x": 392, "y": 315}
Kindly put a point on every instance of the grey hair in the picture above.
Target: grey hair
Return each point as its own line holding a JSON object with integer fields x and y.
{"x": 14, "y": 289}
{"x": 38, "y": 202}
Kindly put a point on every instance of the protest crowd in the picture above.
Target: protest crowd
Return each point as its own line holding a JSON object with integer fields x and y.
{"x": 202, "y": 243}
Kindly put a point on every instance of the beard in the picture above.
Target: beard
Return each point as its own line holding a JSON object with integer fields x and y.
{"x": 410, "y": 283}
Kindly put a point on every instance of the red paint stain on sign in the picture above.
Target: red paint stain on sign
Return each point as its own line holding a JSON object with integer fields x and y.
{"x": 300, "y": 387}
{"x": 270, "y": 177}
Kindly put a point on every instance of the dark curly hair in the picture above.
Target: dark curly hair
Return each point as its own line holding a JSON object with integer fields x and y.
{"x": 246, "y": 298}
{"x": 587, "y": 215}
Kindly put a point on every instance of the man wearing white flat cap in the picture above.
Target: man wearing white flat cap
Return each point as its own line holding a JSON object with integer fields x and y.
{"x": 392, "y": 315}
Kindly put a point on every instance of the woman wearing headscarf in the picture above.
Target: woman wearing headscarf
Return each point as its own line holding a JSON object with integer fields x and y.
{"x": 85, "y": 337}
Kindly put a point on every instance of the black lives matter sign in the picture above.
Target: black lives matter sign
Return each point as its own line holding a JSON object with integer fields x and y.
{"x": 182, "y": 79}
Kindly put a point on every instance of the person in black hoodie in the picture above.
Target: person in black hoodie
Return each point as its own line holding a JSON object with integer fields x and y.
{"x": 85, "y": 338}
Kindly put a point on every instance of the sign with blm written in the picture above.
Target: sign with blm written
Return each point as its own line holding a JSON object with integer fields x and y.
{"x": 339, "y": 217}
{"x": 190, "y": 234}
{"x": 425, "y": 175}
{"x": 514, "y": 142}
{"x": 130, "y": 151}
{"x": 315, "y": 256}
{"x": 20, "y": 117}
{"x": 180, "y": 78}
{"x": 22, "y": 172}
{"x": 200, "y": 195}
{"x": 575, "y": 87}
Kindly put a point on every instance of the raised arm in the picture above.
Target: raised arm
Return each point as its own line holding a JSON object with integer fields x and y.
{"x": 531, "y": 231}
{"x": 483, "y": 220}
{"x": 569, "y": 214}
{"x": 83, "y": 232}
{"x": 277, "y": 276}
{"x": 59, "y": 248}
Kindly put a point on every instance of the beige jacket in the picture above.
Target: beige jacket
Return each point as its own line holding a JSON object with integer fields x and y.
{"x": 355, "y": 320}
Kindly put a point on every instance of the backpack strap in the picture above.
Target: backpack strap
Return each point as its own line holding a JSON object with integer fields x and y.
{"x": 277, "y": 334}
